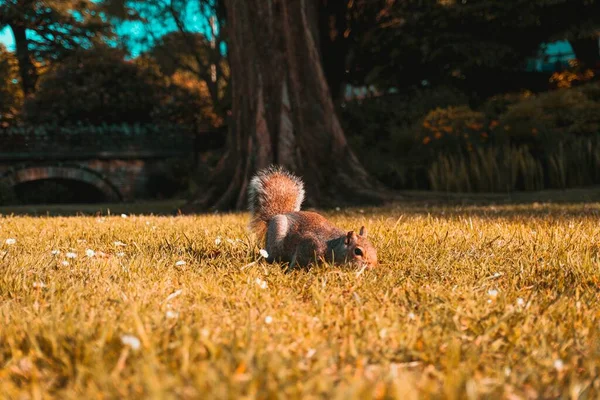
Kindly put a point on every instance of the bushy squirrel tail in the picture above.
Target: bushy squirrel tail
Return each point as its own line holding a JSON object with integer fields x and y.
{"x": 273, "y": 191}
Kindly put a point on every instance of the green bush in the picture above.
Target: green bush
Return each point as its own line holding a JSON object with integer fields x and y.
{"x": 98, "y": 87}
{"x": 497, "y": 105}
{"x": 381, "y": 132}
{"x": 551, "y": 117}
{"x": 516, "y": 141}
{"x": 454, "y": 129}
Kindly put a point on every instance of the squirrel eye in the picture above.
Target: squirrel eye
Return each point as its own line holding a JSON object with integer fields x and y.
{"x": 358, "y": 251}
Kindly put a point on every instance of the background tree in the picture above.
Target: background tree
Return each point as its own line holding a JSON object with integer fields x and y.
{"x": 48, "y": 29}
{"x": 10, "y": 94}
{"x": 282, "y": 110}
{"x": 191, "y": 56}
{"x": 467, "y": 43}
{"x": 99, "y": 87}
{"x": 182, "y": 35}
{"x": 342, "y": 25}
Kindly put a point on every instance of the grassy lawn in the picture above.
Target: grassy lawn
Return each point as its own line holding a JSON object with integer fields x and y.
{"x": 469, "y": 302}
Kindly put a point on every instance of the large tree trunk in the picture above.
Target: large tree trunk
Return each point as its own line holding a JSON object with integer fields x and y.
{"x": 27, "y": 70}
{"x": 282, "y": 111}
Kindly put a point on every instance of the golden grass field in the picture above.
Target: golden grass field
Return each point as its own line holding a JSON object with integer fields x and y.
{"x": 468, "y": 302}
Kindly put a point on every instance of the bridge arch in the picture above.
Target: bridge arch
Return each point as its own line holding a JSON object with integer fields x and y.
{"x": 80, "y": 173}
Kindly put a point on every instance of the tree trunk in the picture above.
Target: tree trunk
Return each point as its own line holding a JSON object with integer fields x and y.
{"x": 282, "y": 111}
{"x": 587, "y": 51}
{"x": 27, "y": 70}
{"x": 334, "y": 44}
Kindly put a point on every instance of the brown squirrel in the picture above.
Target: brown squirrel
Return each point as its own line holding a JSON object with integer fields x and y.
{"x": 300, "y": 237}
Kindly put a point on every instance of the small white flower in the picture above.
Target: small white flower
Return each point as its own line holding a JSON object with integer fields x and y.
{"x": 337, "y": 209}
{"x": 361, "y": 211}
{"x": 493, "y": 293}
{"x": 39, "y": 285}
{"x": 179, "y": 263}
{"x": 10, "y": 241}
{"x": 411, "y": 316}
{"x": 90, "y": 253}
{"x": 171, "y": 314}
{"x": 268, "y": 319}
{"x": 559, "y": 365}
{"x": 507, "y": 371}
{"x": 264, "y": 253}
{"x": 65, "y": 263}
{"x": 119, "y": 243}
{"x": 123, "y": 215}
{"x": 70, "y": 254}
{"x": 205, "y": 332}
{"x": 120, "y": 254}
{"x": 218, "y": 240}
{"x": 311, "y": 352}
{"x": 520, "y": 302}
{"x": 261, "y": 284}
{"x": 55, "y": 252}
{"x": 131, "y": 341}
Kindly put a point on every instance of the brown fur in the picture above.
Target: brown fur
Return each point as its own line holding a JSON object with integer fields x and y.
{"x": 300, "y": 237}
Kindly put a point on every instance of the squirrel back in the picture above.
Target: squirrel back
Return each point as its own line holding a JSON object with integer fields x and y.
{"x": 273, "y": 191}
{"x": 300, "y": 237}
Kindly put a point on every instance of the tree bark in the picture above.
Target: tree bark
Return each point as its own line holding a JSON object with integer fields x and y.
{"x": 334, "y": 47}
{"x": 282, "y": 111}
{"x": 27, "y": 70}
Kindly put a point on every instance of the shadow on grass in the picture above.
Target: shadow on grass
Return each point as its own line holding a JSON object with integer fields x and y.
{"x": 165, "y": 207}
{"x": 583, "y": 201}
{"x": 570, "y": 202}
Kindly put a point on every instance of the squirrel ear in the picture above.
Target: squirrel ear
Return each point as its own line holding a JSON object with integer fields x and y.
{"x": 363, "y": 231}
{"x": 350, "y": 237}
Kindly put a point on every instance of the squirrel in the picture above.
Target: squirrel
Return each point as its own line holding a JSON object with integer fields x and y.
{"x": 300, "y": 237}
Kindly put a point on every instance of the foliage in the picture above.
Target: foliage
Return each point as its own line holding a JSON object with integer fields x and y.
{"x": 11, "y": 96}
{"x": 49, "y": 29}
{"x": 575, "y": 75}
{"x": 100, "y": 87}
{"x": 551, "y": 116}
{"x": 470, "y": 43}
{"x": 453, "y": 129}
{"x": 490, "y": 169}
{"x": 497, "y": 105}
{"x": 515, "y": 141}
{"x": 191, "y": 55}
{"x": 185, "y": 36}
{"x": 469, "y": 301}
{"x": 380, "y": 130}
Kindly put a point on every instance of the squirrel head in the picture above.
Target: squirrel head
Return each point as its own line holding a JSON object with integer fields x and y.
{"x": 360, "y": 249}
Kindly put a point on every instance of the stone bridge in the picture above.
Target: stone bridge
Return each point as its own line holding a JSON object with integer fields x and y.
{"x": 121, "y": 163}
